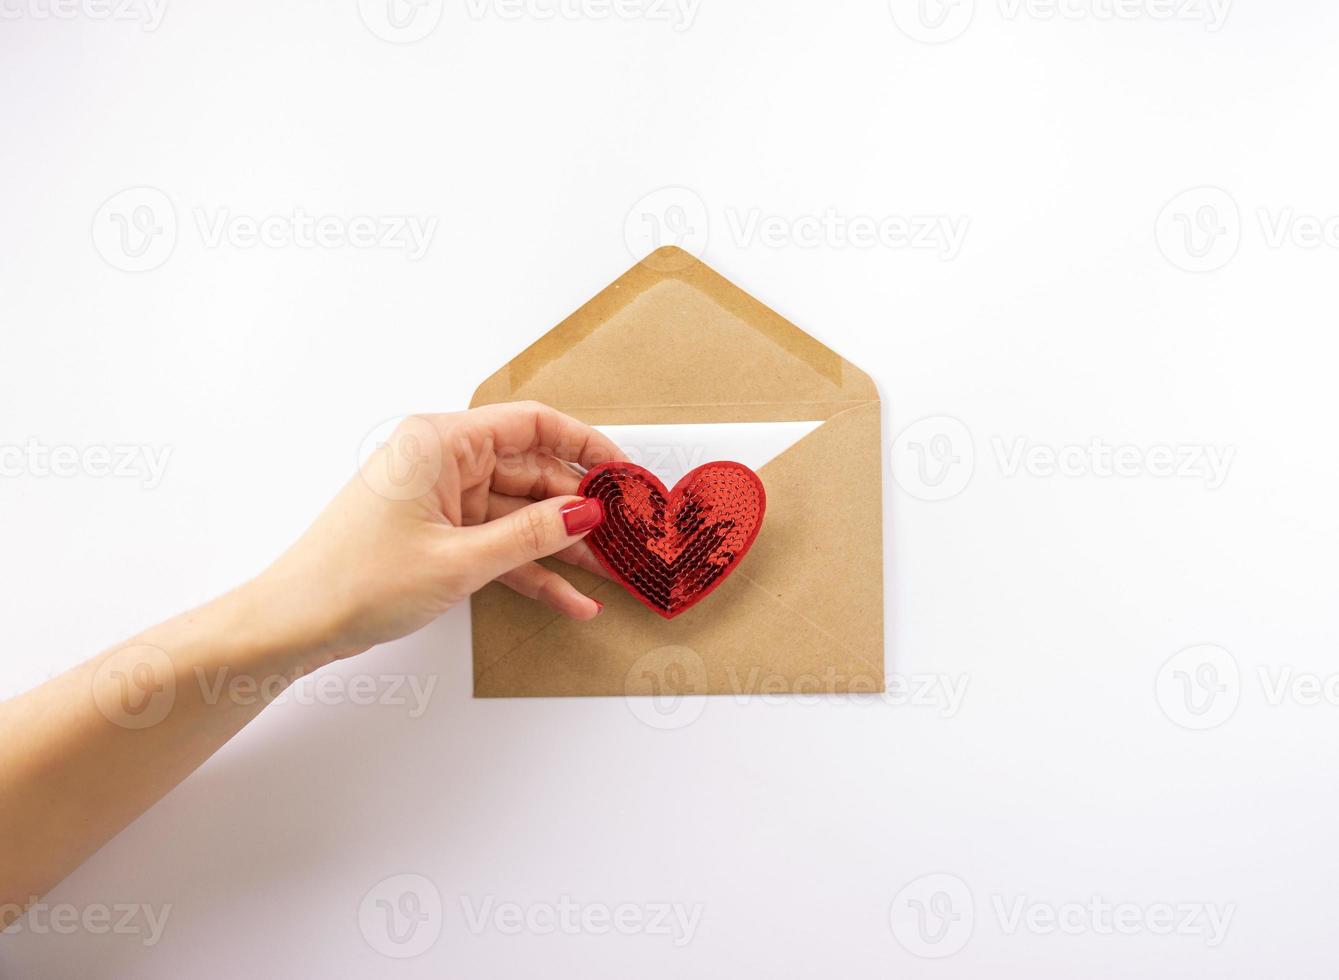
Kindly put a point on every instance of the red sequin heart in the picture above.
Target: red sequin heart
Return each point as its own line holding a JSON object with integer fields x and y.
{"x": 671, "y": 548}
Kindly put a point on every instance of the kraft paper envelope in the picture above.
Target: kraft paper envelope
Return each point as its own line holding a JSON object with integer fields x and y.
{"x": 673, "y": 342}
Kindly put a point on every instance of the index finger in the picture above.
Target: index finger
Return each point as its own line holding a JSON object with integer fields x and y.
{"x": 531, "y": 426}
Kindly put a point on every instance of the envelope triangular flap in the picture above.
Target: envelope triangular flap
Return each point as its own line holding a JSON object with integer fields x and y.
{"x": 671, "y": 341}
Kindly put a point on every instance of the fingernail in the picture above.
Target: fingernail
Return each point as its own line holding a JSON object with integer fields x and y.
{"x": 599, "y": 606}
{"x": 580, "y": 517}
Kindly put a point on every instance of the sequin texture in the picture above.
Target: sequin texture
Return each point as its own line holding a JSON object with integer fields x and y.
{"x": 670, "y": 549}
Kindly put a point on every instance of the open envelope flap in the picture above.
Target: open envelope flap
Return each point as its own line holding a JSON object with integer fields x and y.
{"x": 803, "y": 612}
{"x": 671, "y": 341}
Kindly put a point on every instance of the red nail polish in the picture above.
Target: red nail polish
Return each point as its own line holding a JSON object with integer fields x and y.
{"x": 580, "y": 517}
{"x": 599, "y": 606}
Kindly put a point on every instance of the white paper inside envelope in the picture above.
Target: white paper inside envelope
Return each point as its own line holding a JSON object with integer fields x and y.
{"x": 670, "y": 451}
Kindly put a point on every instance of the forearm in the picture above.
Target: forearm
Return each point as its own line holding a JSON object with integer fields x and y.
{"x": 492, "y": 492}
{"x": 89, "y": 751}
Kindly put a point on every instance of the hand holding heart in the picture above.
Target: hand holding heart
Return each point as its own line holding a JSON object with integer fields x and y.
{"x": 446, "y": 505}
{"x": 452, "y": 502}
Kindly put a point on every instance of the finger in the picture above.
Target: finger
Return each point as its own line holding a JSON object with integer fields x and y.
{"x": 474, "y": 504}
{"x": 535, "y": 531}
{"x": 579, "y": 554}
{"x": 531, "y": 426}
{"x": 583, "y": 558}
{"x": 537, "y": 582}
{"x": 537, "y": 475}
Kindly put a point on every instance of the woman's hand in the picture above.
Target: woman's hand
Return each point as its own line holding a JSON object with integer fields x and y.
{"x": 447, "y": 505}
{"x": 450, "y": 503}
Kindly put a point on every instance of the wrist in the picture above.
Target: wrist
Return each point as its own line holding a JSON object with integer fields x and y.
{"x": 277, "y": 629}
{"x": 242, "y": 649}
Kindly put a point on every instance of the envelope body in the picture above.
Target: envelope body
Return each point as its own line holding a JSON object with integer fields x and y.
{"x": 673, "y": 342}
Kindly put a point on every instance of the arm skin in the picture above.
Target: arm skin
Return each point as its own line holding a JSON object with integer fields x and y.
{"x": 450, "y": 503}
{"x": 72, "y": 773}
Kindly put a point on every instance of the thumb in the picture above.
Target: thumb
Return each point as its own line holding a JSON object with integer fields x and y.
{"x": 536, "y": 531}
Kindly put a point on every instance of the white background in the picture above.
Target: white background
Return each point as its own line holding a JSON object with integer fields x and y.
{"x": 801, "y": 827}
